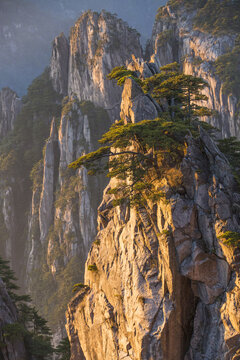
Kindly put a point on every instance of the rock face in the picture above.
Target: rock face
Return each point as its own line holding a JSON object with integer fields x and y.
{"x": 174, "y": 39}
{"x": 59, "y": 64}
{"x": 10, "y": 106}
{"x": 8, "y": 227}
{"x": 98, "y": 42}
{"x": 162, "y": 284}
{"x": 51, "y": 161}
{"x": 12, "y": 349}
{"x": 63, "y": 217}
{"x": 159, "y": 282}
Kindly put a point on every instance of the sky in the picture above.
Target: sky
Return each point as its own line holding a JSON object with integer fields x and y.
{"x": 27, "y": 28}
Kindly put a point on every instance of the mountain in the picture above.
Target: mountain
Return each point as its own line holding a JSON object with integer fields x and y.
{"x": 159, "y": 283}
{"x": 208, "y": 47}
{"x": 48, "y": 217}
{"x": 159, "y": 279}
{"x": 28, "y": 27}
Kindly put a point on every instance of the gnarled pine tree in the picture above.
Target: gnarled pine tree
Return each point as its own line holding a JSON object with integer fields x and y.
{"x": 141, "y": 154}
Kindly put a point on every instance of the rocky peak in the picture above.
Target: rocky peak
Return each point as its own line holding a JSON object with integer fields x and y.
{"x": 59, "y": 64}
{"x": 98, "y": 42}
{"x": 51, "y": 160}
{"x": 136, "y": 106}
{"x": 159, "y": 282}
{"x": 10, "y": 106}
{"x": 175, "y": 38}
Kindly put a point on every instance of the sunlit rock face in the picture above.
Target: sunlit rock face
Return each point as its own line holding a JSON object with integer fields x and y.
{"x": 159, "y": 284}
{"x": 62, "y": 223}
{"x": 174, "y": 39}
{"x": 10, "y": 106}
{"x": 98, "y": 42}
{"x": 12, "y": 348}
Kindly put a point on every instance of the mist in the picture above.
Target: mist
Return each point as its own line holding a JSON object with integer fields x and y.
{"x": 27, "y": 28}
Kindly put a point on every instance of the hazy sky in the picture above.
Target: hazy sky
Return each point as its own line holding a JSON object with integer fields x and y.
{"x": 27, "y": 28}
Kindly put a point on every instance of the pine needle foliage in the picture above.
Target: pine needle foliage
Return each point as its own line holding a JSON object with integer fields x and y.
{"x": 231, "y": 238}
{"x": 177, "y": 93}
{"x": 228, "y": 69}
{"x": 30, "y": 327}
{"x": 121, "y": 73}
{"x": 141, "y": 154}
{"x": 63, "y": 349}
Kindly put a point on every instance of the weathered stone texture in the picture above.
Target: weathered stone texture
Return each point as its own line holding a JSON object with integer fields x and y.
{"x": 165, "y": 286}
{"x": 175, "y": 39}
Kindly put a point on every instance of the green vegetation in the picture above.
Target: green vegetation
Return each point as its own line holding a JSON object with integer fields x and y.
{"x": 3, "y": 232}
{"x": 188, "y": 4}
{"x": 63, "y": 350}
{"x": 165, "y": 36}
{"x": 79, "y": 286}
{"x": 98, "y": 120}
{"x": 214, "y": 16}
{"x": 228, "y": 69}
{"x": 36, "y": 175}
{"x": 219, "y": 17}
{"x": 30, "y": 327}
{"x": 68, "y": 194}
{"x": 142, "y": 153}
{"x": 23, "y": 147}
{"x": 121, "y": 73}
{"x": 56, "y": 291}
{"x": 21, "y": 150}
{"x": 92, "y": 267}
{"x": 231, "y": 238}
{"x": 231, "y": 148}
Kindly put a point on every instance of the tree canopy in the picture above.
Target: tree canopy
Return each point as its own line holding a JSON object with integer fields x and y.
{"x": 30, "y": 326}
{"x": 141, "y": 154}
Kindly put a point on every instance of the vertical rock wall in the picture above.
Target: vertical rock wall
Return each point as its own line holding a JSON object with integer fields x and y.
{"x": 10, "y": 106}
{"x": 159, "y": 282}
{"x": 98, "y": 42}
{"x": 175, "y": 39}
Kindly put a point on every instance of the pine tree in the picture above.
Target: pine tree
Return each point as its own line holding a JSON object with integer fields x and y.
{"x": 30, "y": 327}
{"x": 142, "y": 153}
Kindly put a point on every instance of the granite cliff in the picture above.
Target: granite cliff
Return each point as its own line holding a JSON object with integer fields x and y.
{"x": 98, "y": 42}
{"x": 159, "y": 281}
{"x": 49, "y": 213}
{"x": 63, "y": 215}
{"x": 175, "y": 37}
